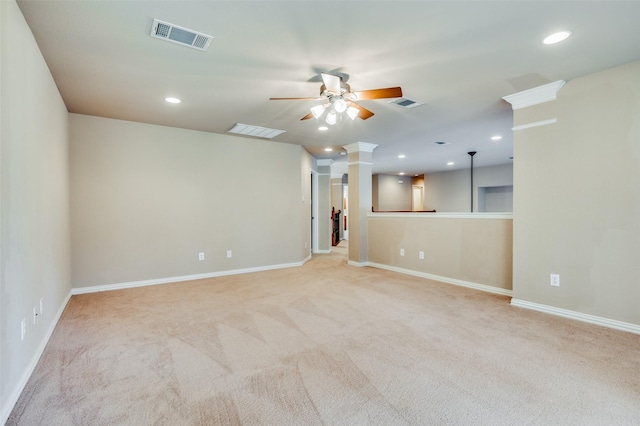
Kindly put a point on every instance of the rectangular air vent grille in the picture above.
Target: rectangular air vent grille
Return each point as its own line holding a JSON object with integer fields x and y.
{"x": 180, "y": 35}
{"x": 406, "y": 102}
{"x": 256, "y": 131}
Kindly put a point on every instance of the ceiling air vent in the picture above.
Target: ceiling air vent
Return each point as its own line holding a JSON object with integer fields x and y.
{"x": 180, "y": 35}
{"x": 406, "y": 102}
{"x": 256, "y": 131}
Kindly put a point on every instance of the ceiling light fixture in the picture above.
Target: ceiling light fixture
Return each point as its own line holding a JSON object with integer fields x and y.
{"x": 402, "y": 156}
{"x": 450, "y": 163}
{"x": 557, "y": 37}
{"x": 172, "y": 100}
{"x": 328, "y": 149}
{"x": 496, "y": 138}
{"x": 323, "y": 128}
{"x": 401, "y": 173}
{"x": 332, "y": 118}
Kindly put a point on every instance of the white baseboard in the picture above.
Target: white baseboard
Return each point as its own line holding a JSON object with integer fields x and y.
{"x": 323, "y": 251}
{"x": 358, "y": 264}
{"x": 448, "y": 280}
{"x": 17, "y": 391}
{"x": 579, "y": 316}
{"x": 133, "y": 284}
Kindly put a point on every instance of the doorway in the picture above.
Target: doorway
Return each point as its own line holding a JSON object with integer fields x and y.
{"x": 417, "y": 198}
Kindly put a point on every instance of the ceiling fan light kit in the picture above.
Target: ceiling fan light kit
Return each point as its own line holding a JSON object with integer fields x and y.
{"x": 337, "y": 98}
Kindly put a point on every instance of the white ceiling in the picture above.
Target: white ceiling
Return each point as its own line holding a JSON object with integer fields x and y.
{"x": 458, "y": 57}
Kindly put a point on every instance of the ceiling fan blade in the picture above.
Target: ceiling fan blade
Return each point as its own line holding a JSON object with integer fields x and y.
{"x": 331, "y": 82}
{"x": 295, "y": 99}
{"x": 389, "y": 92}
{"x": 364, "y": 113}
{"x": 306, "y": 117}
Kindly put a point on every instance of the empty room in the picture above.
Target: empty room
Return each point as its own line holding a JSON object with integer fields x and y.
{"x": 319, "y": 212}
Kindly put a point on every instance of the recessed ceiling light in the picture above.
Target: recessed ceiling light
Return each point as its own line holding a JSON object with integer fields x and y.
{"x": 556, "y": 37}
{"x": 402, "y": 156}
{"x": 172, "y": 100}
{"x": 328, "y": 149}
{"x": 496, "y": 138}
{"x": 401, "y": 173}
{"x": 323, "y": 128}
{"x": 450, "y": 163}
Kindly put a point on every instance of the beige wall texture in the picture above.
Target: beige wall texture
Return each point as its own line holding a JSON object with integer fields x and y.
{"x": 450, "y": 191}
{"x": 577, "y": 197}
{"x": 34, "y": 212}
{"x": 146, "y": 200}
{"x": 473, "y": 250}
{"x": 391, "y": 195}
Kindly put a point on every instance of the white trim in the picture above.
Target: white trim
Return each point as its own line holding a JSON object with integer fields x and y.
{"x": 579, "y": 316}
{"x": 353, "y": 163}
{"x": 323, "y": 252}
{"x": 358, "y": 264}
{"x": 360, "y": 147}
{"x": 535, "y": 124}
{"x": 535, "y": 96}
{"x": 26, "y": 375}
{"x": 420, "y": 215}
{"x": 133, "y": 284}
{"x": 447, "y": 280}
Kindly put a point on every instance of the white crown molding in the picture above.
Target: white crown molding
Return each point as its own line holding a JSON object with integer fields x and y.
{"x": 579, "y": 316}
{"x": 535, "y": 96}
{"x": 360, "y": 162}
{"x": 360, "y": 147}
{"x": 535, "y": 124}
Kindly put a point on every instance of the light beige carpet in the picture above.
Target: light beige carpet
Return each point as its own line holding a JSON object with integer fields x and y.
{"x": 326, "y": 344}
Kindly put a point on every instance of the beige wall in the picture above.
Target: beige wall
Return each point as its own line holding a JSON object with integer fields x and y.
{"x": 449, "y": 191}
{"x": 577, "y": 197}
{"x": 391, "y": 195}
{"x": 147, "y": 199}
{"x": 34, "y": 225}
{"x": 473, "y": 250}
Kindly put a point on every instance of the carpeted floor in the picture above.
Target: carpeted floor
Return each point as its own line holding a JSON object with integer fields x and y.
{"x": 330, "y": 344}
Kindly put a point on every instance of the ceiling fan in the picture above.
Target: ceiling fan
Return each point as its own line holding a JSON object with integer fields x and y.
{"x": 337, "y": 98}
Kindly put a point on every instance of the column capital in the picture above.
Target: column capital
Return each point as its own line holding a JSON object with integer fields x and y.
{"x": 360, "y": 147}
{"x": 535, "y": 96}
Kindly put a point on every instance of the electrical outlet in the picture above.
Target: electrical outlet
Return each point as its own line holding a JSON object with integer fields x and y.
{"x": 554, "y": 280}
{"x": 41, "y": 305}
{"x": 229, "y": 254}
{"x": 401, "y": 252}
{"x": 421, "y": 255}
{"x": 23, "y": 328}
{"x": 201, "y": 256}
